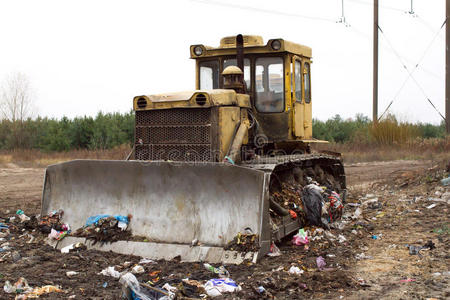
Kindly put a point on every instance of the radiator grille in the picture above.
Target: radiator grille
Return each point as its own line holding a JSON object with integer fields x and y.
{"x": 178, "y": 116}
{"x": 174, "y": 134}
{"x": 180, "y": 134}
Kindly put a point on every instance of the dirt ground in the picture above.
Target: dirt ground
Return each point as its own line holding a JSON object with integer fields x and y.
{"x": 366, "y": 257}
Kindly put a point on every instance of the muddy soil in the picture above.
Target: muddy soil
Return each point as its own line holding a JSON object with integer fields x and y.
{"x": 365, "y": 258}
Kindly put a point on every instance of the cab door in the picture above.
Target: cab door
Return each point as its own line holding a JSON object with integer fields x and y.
{"x": 297, "y": 99}
{"x": 306, "y": 87}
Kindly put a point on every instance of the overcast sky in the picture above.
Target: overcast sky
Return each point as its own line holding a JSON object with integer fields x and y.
{"x": 83, "y": 57}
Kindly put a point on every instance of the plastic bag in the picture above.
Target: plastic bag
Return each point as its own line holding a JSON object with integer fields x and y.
{"x": 132, "y": 290}
{"x": 274, "y": 250}
{"x": 335, "y": 207}
{"x": 215, "y": 287}
{"x": 312, "y": 203}
{"x": 301, "y": 238}
{"x": 109, "y": 271}
{"x": 320, "y": 261}
{"x": 137, "y": 269}
{"x": 8, "y": 287}
{"x": 57, "y": 235}
{"x": 96, "y": 218}
{"x": 295, "y": 270}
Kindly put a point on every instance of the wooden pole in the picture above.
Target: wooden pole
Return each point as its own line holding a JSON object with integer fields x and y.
{"x": 447, "y": 66}
{"x": 375, "y": 62}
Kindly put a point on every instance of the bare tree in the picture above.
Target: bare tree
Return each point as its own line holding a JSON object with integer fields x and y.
{"x": 16, "y": 99}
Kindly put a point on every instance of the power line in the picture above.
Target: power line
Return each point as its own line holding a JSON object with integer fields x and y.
{"x": 426, "y": 97}
{"x": 427, "y": 25}
{"x": 382, "y": 6}
{"x": 261, "y": 10}
{"x": 410, "y": 73}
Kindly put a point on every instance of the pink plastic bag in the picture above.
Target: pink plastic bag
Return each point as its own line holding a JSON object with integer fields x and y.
{"x": 301, "y": 238}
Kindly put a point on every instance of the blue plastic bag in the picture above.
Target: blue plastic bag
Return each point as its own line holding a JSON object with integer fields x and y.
{"x": 96, "y": 218}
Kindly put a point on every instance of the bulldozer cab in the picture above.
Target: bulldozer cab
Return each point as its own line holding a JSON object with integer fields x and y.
{"x": 277, "y": 77}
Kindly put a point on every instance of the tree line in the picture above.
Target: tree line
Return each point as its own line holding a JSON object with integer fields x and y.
{"x": 104, "y": 131}
{"x": 361, "y": 130}
{"x": 20, "y": 130}
{"x": 109, "y": 130}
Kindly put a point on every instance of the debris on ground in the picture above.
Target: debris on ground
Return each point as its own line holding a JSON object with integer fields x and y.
{"x": 340, "y": 261}
{"x": 217, "y": 287}
{"x": 110, "y": 271}
{"x": 70, "y": 247}
{"x": 320, "y": 261}
{"x": 243, "y": 242}
{"x": 313, "y": 204}
{"x": 295, "y": 270}
{"x": 105, "y": 229}
{"x": 274, "y": 250}
{"x": 221, "y": 271}
{"x": 415, "y": 250}
{"x": 53, "y": 221}
{"x": 137, "y": 269}
{"x": 23, "y": 291}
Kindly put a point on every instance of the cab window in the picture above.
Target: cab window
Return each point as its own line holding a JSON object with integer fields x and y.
{"x": 269, "y": 84}
{"x": 307, "y": 82}
{"x": 209, "y": 75}
{"x": 233, "y": 62}
{"x": 298, "y": 81}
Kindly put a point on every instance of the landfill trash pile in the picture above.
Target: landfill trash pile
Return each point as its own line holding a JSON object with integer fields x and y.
{"x": 360, "y": 255}
{"x": 105, "y": 229}
{"x": 52, "y": 221}
{"x": 23, "y": 291}
{"x": 243, "y": 243}
{"x": 313, "y": 204}
{"x": 52, "y": 225}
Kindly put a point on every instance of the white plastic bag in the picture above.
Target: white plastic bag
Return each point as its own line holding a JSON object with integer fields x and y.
{"x": 215, "y": 287}
{"x": 109, "y": 271}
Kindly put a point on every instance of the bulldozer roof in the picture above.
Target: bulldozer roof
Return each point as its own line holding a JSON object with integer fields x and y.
{"x": 253, "y": 44}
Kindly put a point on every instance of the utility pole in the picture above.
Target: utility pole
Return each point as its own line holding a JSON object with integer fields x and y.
{"x": 447, "y": 67}
{"x": 375, "y": 62}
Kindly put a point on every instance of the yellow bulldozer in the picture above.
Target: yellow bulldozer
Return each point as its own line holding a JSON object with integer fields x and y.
{"x": 206, "y": 163}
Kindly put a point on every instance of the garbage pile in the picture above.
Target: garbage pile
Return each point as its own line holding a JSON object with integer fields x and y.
{"x": 105, "y": 229}
{"x": 132, "y": 289}
{"x": 313, "y": 204}
{"x": 52, "y": 221}
{"x": 23, "y": 291}
{"x": 244, "y": 243}
{"x": 173, "y": 288}
{"x": 52, "y": 225}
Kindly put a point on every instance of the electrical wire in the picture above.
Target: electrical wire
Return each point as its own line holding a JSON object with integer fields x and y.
{"x": 410, "y": 73}
{"x": 382, "y": 6}
{"x": 261, "y": 10}
{"x": 426, "y": 97}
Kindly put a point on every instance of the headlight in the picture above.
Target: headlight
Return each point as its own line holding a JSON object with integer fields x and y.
{"x": 200, "y": 99}
{"x": 276, "y": 45}
{"x": 198, "y": 50}
{"x": 141, "y": 102}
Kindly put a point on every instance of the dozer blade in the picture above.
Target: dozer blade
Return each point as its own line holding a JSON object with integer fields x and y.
{"x": 171, "y": 204}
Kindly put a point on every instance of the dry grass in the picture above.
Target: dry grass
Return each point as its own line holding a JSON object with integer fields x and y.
{"x": 429, "y": 149}
{"x": 390, "y": 131}
{"x": 391, "y": 139}
{"x": 36, "y": 158}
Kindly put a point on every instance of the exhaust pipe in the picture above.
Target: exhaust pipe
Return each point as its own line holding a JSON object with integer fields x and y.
{"x": 240, "y": 55}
